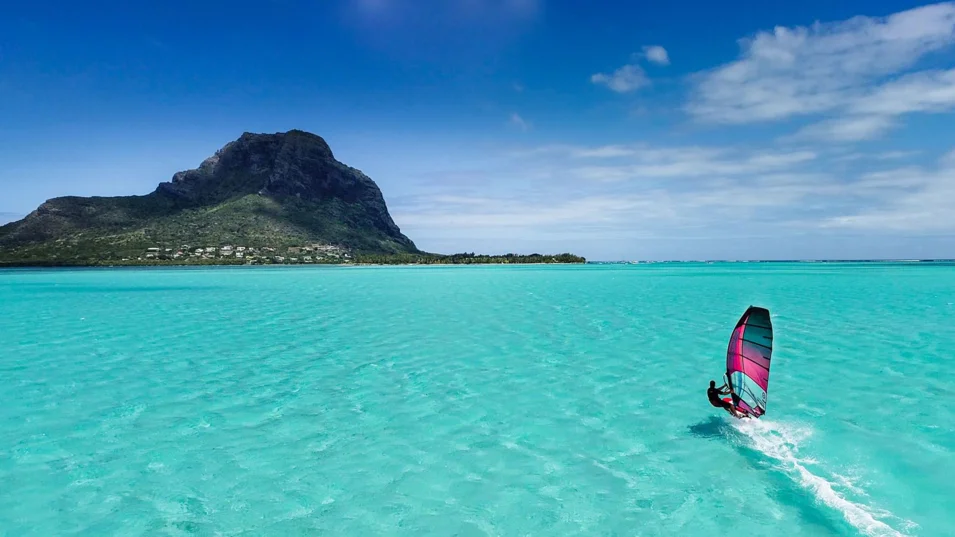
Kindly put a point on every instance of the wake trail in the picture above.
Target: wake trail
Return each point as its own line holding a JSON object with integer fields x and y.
{"x": 780, "y": 442}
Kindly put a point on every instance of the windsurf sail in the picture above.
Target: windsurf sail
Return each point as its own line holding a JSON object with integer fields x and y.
{"x": 748, "y": 359}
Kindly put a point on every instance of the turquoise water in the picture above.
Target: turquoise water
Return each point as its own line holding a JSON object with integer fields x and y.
{"x": 473, "y": 401}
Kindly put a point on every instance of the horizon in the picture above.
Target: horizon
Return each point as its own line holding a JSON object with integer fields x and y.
{"x": 807, "y": 132}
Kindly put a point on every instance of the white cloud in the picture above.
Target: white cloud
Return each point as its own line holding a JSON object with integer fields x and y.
{"x": 607, "y": 151}
{"x": 624, "y": 80}
{"x": 847, "y": 129}
{"x": 948, "y": 160}
{"x": 910, "y": 199}
{"x": 593, "y": 199}
{"x": 575, "y": 151}
{"x": 644, "y": 161}
{"x": 656, "y": 54}
{"x": 642, "y": 151}
{"x": 716, "y": 205}
{"x": 518, "y": 121}
{"x": 872, "y": 115}
{"x": 562, "y": 190}
{"x": 690, "y": 168}
{"x": 887, "y": 155}
{"x": 926, "y": 91}
{"x": 892, "y": 155}
{"x": 632, "y": 77}
{"x": 508, "y": 215}
{"x": 832, "y": 68}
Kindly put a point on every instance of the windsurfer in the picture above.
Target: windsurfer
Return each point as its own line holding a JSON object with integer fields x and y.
{"x": 713, "y": 394}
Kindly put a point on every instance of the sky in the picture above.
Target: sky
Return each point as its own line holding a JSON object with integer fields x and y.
{"x": 614, "y": 130}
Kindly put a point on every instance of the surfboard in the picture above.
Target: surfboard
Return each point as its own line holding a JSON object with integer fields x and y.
{"x": 748, "y": 358}
{"x": 730, "y": 401}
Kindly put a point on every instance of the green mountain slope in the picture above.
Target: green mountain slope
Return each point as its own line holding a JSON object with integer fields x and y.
{"x": 274, "y": 190}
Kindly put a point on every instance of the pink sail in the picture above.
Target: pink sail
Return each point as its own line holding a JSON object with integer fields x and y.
{"x": 748, "y": 357}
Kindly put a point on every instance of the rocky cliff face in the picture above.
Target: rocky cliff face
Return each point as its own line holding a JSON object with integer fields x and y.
{"x": 288, "y": 183}
{"x": 295, "y": 164}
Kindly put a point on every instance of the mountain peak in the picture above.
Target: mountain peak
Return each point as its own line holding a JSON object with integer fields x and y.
{"x": 284, "y": 186}
{"x": 294, "y": 137}
{"x": 296, "y": 163}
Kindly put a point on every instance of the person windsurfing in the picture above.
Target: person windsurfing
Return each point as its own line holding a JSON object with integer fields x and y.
{"x": 713, "y": 394}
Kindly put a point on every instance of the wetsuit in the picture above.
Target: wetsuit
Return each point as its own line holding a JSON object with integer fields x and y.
{"x": 713, "y": 394}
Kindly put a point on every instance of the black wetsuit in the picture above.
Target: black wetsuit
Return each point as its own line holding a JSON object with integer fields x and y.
{"x": 713, "y": 394}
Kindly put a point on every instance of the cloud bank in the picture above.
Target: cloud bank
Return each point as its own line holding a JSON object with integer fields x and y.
{"x": 849, "y": 68}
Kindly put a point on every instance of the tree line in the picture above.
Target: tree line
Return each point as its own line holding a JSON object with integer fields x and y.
{"x": 467, "y": 258}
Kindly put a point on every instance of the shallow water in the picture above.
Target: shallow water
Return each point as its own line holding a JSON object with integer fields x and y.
{"x": 544, "y": 400}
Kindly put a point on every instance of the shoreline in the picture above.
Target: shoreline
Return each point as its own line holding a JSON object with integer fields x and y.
{"x": 347, "y": 259}
{"x": 251, "y": 265}
{"x": 57, "y": 265}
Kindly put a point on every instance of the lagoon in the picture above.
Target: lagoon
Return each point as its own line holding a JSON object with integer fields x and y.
{"x": 473, "y": 400}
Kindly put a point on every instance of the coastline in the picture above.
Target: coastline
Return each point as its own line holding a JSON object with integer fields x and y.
{"x": 73, "y": 265}
{"x": 295, "y": 257}
{"x": 67, "y": 265}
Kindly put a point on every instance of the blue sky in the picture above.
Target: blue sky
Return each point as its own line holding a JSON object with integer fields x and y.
{"x": 617, "y": 130}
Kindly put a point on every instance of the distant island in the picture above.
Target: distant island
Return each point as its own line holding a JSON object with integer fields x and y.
{"x": 262, "y": 199}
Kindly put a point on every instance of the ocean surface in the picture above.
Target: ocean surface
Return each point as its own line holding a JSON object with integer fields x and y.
{"x": 471, "y": 401}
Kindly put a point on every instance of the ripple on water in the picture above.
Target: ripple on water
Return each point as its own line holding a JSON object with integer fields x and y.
{"x": 471, "y": 401}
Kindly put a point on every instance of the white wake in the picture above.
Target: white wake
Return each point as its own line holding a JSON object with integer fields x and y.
{"x": 781, "y": 442}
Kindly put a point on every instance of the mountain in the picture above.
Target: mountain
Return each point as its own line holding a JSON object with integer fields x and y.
{"x": 261, "y": 190}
